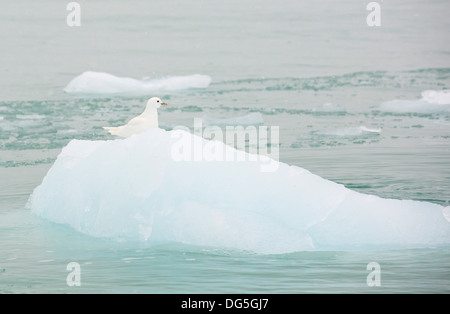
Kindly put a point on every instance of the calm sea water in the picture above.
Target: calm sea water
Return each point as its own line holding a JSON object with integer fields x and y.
{"x": 284, "y": 59}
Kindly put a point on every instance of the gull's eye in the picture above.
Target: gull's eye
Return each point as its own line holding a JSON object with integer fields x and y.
{"x": 157, "y": 101}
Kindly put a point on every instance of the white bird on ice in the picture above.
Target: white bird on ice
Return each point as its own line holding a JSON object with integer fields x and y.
{"x": 146, "y": 120}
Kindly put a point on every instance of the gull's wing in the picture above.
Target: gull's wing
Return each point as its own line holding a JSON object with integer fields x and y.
{"x": 136, "y": 121}
{"x": 134, "y": 126}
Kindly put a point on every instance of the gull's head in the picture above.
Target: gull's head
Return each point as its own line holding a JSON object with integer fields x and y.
{"x": 155, "y": 102}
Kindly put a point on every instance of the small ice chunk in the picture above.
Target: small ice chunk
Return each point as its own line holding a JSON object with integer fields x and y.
{"x": 361, "y": 131}
{"x": 329, "y": 108}
{"x": 253, "y": 118}
{"x": 437, "y": 97}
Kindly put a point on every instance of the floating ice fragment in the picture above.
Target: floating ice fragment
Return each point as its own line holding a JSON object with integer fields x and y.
{"x": 431, "y": 102}
{"x": 436, "y": 97}
{"x": 253, "y": 118}
{"x": 104, "y": 83}
{"x": 329, "y": 108}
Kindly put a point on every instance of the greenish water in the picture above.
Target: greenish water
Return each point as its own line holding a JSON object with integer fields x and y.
{"x": 39, "y": 263}
{"x": 284, "y": 60}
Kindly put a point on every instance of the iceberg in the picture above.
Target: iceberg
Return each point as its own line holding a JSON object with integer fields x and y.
{"x": 134, "y": 190}
{"x": 104, "y": 83}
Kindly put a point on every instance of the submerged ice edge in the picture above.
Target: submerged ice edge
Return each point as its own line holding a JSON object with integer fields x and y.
{"x": 133, "y": 190}
{"x": 104, "y": 83}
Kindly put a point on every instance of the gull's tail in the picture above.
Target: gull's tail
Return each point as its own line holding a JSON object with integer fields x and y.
{"x": 111, "y": 130}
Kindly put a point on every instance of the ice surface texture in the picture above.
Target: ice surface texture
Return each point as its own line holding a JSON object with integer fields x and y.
{"x": 104, "y": 83}
{"x": 134, "y": 190}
